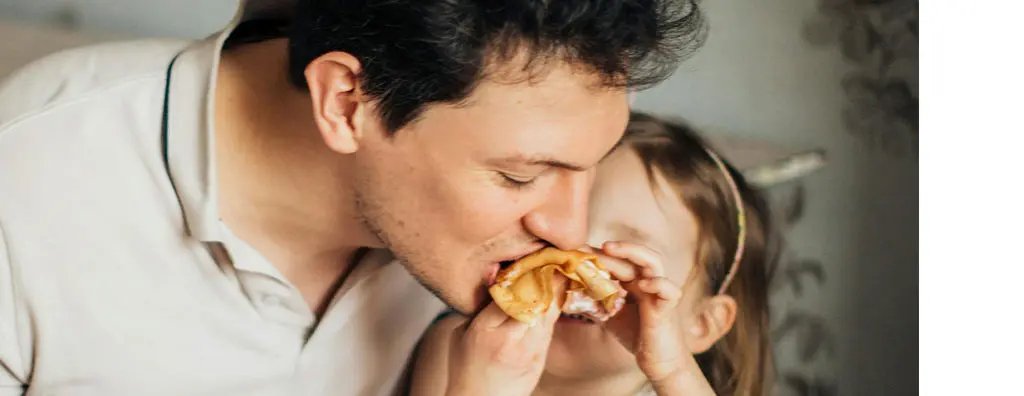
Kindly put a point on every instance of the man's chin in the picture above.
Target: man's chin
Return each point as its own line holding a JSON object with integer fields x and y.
{"x": 473, "y": 305}
{"x": 465, "y": 304}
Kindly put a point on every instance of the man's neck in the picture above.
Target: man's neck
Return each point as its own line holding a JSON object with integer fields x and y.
{"x": 280, "y": 188}
{"x": 624, "y": 384}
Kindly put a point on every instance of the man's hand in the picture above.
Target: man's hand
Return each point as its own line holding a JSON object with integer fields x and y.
{"x": 497, "y": 355}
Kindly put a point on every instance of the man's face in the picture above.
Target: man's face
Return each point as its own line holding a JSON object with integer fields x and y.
{"x": 466, "y": 187}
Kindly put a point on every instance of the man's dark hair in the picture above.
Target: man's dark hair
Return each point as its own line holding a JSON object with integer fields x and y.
{"x": 418, "y": 52}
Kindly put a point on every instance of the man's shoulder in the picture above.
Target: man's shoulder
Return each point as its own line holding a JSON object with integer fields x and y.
{"x": 85, "y": 133}
{"x": 73, "y": 73}
{"x": 72, "y": 131}
{"x": 101, "y": 95}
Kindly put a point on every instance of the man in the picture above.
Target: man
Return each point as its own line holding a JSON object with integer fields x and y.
{"x": 207, "y": 218}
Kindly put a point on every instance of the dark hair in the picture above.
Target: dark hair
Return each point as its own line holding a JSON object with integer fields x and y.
{"x": 418, "y": 52}
{"x": 739, "y": 363}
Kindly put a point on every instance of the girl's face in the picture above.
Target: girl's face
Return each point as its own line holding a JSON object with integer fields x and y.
{"x": 626, "y": 207}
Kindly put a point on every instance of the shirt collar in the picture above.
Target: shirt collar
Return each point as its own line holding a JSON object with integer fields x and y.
{"x": 189, "y": 131}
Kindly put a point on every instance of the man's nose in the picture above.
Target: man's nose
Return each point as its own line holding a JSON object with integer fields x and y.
{"x": 561, "y": 219}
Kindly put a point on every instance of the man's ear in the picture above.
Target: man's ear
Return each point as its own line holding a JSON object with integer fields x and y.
{"x": 710, "y": 322}
{"x": 333, "y": 82}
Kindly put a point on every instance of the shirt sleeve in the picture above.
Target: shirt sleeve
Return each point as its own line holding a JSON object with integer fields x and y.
{"x": 13, "y": 370}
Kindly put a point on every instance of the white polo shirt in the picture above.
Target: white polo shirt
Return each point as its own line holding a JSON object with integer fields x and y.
{"x": 117, "y": 276}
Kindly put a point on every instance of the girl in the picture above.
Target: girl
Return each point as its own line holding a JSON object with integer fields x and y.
{"x": 676, "y": 215}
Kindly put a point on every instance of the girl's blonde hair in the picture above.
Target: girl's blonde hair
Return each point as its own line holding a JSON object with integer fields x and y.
{"x": 739, "y": 363}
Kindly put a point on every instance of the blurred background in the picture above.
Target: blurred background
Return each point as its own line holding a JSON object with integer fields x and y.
{"x": 784, "y": 77}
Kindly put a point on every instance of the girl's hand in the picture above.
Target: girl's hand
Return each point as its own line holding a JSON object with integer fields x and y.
{"x": 651, "y": 328}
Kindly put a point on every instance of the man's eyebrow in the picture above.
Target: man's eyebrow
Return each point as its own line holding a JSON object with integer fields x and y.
{"x": 541, "y": 161}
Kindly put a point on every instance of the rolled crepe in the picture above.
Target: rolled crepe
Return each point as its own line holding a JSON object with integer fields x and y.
{"x": 528, "y": 287}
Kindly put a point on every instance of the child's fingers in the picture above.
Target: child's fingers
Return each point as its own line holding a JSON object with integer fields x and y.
{"x": 662, "y": 305}
{"x": 619, "y": 268}
{"x": 638, "y": 254}
{"x": 662, "y": 287}
{"x": 633, "y": 288}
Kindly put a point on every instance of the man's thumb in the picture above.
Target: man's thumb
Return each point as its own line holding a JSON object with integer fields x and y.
{"x": 551, "y": 315}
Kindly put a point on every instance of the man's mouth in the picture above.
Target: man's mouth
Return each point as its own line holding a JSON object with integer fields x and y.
{"x": 513, "y": 258}
{"x": 492, "y": 273}
{"x": 494, "y": 268}
{"x": 507, "y": 262}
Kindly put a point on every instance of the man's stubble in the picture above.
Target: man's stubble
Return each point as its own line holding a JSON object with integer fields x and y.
{"x": 372, "y": 213}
